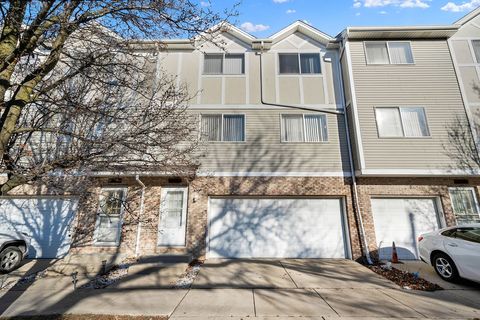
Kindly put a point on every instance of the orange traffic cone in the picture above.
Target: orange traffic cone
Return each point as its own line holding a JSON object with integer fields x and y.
{"x": 394, "y": 253}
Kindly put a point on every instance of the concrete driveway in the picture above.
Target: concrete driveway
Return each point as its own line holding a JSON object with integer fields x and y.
{"x": 312, "y": 288}
{"x": 240, "y": 289}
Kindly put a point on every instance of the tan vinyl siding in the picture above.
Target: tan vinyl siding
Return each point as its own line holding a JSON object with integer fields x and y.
{"x": 430, "y": 83}
{"x": 463, "y": 54}
{"x": 263, "y": 152}
{"x": 471, "y": 83}
{"x": 313, "y": 90}
{"x": 211, "y": 90}
{"x": 235, "y": 90}
{"x": 289, "y": 90}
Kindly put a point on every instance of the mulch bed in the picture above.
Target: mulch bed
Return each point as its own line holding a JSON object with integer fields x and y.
{"x": 84, "y": 317}
{"x": 404, "y": 279}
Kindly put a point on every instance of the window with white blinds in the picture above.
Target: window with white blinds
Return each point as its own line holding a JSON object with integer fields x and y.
{"x": 226, "y": 127}
{"x": 401, "y": 122}
{"x": 476, "y": 49}
{"x": 304, "y": 128}
{"x": 465, "y": 205}
{"x": 224, "y": 64}
{"x": 109, "y": 218}
{"x": 389, "y": 52}
{"x": 296, "y": 63}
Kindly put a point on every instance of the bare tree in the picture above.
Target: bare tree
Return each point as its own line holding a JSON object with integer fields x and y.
{"x": 463, "y": 145}
{"x": 79, "y": 92}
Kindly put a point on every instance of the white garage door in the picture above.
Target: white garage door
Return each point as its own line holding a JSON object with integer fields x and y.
{"x": 46, "y": 220}
{"x": 274, "y": 228}
{"x": 403, "y": 220}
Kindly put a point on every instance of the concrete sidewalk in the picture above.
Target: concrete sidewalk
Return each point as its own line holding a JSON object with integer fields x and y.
{"x": 310, "y": 289}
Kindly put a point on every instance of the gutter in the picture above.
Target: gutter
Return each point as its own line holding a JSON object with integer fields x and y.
{"x": 140, "y": 215}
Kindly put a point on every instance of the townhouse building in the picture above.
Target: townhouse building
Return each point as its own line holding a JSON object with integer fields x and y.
{"x": 316, "y": 147}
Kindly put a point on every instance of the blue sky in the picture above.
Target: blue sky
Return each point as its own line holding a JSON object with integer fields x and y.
{"x": 265, "y": 17}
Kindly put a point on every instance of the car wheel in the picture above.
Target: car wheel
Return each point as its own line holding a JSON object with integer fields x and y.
{"x": 445, "y": 267}
{"x": 10, "y": 259}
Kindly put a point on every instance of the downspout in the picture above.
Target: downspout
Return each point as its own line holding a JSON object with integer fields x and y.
{"x": 140, "y": 215}
{"x": 356, "y": 205}
{"x": 363, "y": 239}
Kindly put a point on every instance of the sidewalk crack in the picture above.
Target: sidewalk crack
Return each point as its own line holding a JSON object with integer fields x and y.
{"x": 289, "y": 275}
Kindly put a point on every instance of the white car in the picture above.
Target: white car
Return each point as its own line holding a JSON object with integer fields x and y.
{"x": 453, "y": 252}
{"x": 13, "y": 249}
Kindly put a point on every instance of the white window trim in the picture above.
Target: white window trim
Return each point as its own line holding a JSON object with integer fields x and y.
{"x": 184, "y": 214}
{"x": 221, "y": 131}
{"x": 472, "y": 189}
{"x": 388, "y": 53}
{"x": 223, "y": 64}
{"x": 97, "y": 222}
{"x": 282, "y": 129}
{"x": 403, "y": 136}
{"x": 300, "y": 74}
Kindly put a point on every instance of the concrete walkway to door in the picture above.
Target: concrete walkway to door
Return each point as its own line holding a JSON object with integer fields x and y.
{"x": 313, "y": 289}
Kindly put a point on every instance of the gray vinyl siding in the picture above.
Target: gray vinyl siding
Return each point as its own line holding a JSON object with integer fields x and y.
{"x": 430, "y": 83}
{"x": 263, "y": 150}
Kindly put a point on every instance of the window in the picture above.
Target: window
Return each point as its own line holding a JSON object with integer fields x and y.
{"x": 304, "y": 128}
{"x": 401, "y": 122}
{"x": 468, "y": 234}
{"x": 476, "y": 49}
{"x": 226, "y": 127}
{"x": 304, "y": 63}
{"x": 465, "y": 207}
{"x": 224, "y": 64}
{"x": 382, "y": 52}
{"x": 108, "y": 226}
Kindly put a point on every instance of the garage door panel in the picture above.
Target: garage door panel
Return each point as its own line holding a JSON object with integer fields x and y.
{"x": 268, "y": 228}
{"x": 46, "y": 220}
{"x": 402, "y": 220}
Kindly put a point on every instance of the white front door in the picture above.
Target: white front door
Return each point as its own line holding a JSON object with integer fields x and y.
{"x": 46, "y": 220}
{"x": 276, "y": 228}
{"x": 173, "y": 217}
{"x": 402, "y": 220}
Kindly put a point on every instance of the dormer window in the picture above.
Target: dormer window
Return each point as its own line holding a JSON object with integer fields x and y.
{"x": 299, "y": 63}
{"x": 220, "y": 63}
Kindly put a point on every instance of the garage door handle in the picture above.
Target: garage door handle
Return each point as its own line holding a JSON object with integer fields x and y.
{"x": 453, "y": 245}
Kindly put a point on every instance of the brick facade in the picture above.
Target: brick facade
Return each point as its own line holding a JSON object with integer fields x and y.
{"x": 406, "y": 187}
{"x": 200, "y": 189}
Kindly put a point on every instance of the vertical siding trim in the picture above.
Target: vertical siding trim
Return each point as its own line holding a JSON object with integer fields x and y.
{"x": 179, "y": 69}
{"x": 277, "y": 72}
{"x": 246, "y": 69}
{"x": 324, "y": 69}
{"x": 466, "y": 105}
{"x": 358, "y": 134}
{"x": 199, "y": 84}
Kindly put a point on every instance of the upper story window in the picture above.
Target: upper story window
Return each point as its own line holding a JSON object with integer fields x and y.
{"x": 476, "y": 49}
{"x": 401, "y": 122}
{"x": 224, "y": 63}
{"x": 223, "y": 127}
{"x": 299, "y": 63}
{"x": 389, "y": 52}
{"x": 304, "y": 128}
{"x": 465, "y": 205}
